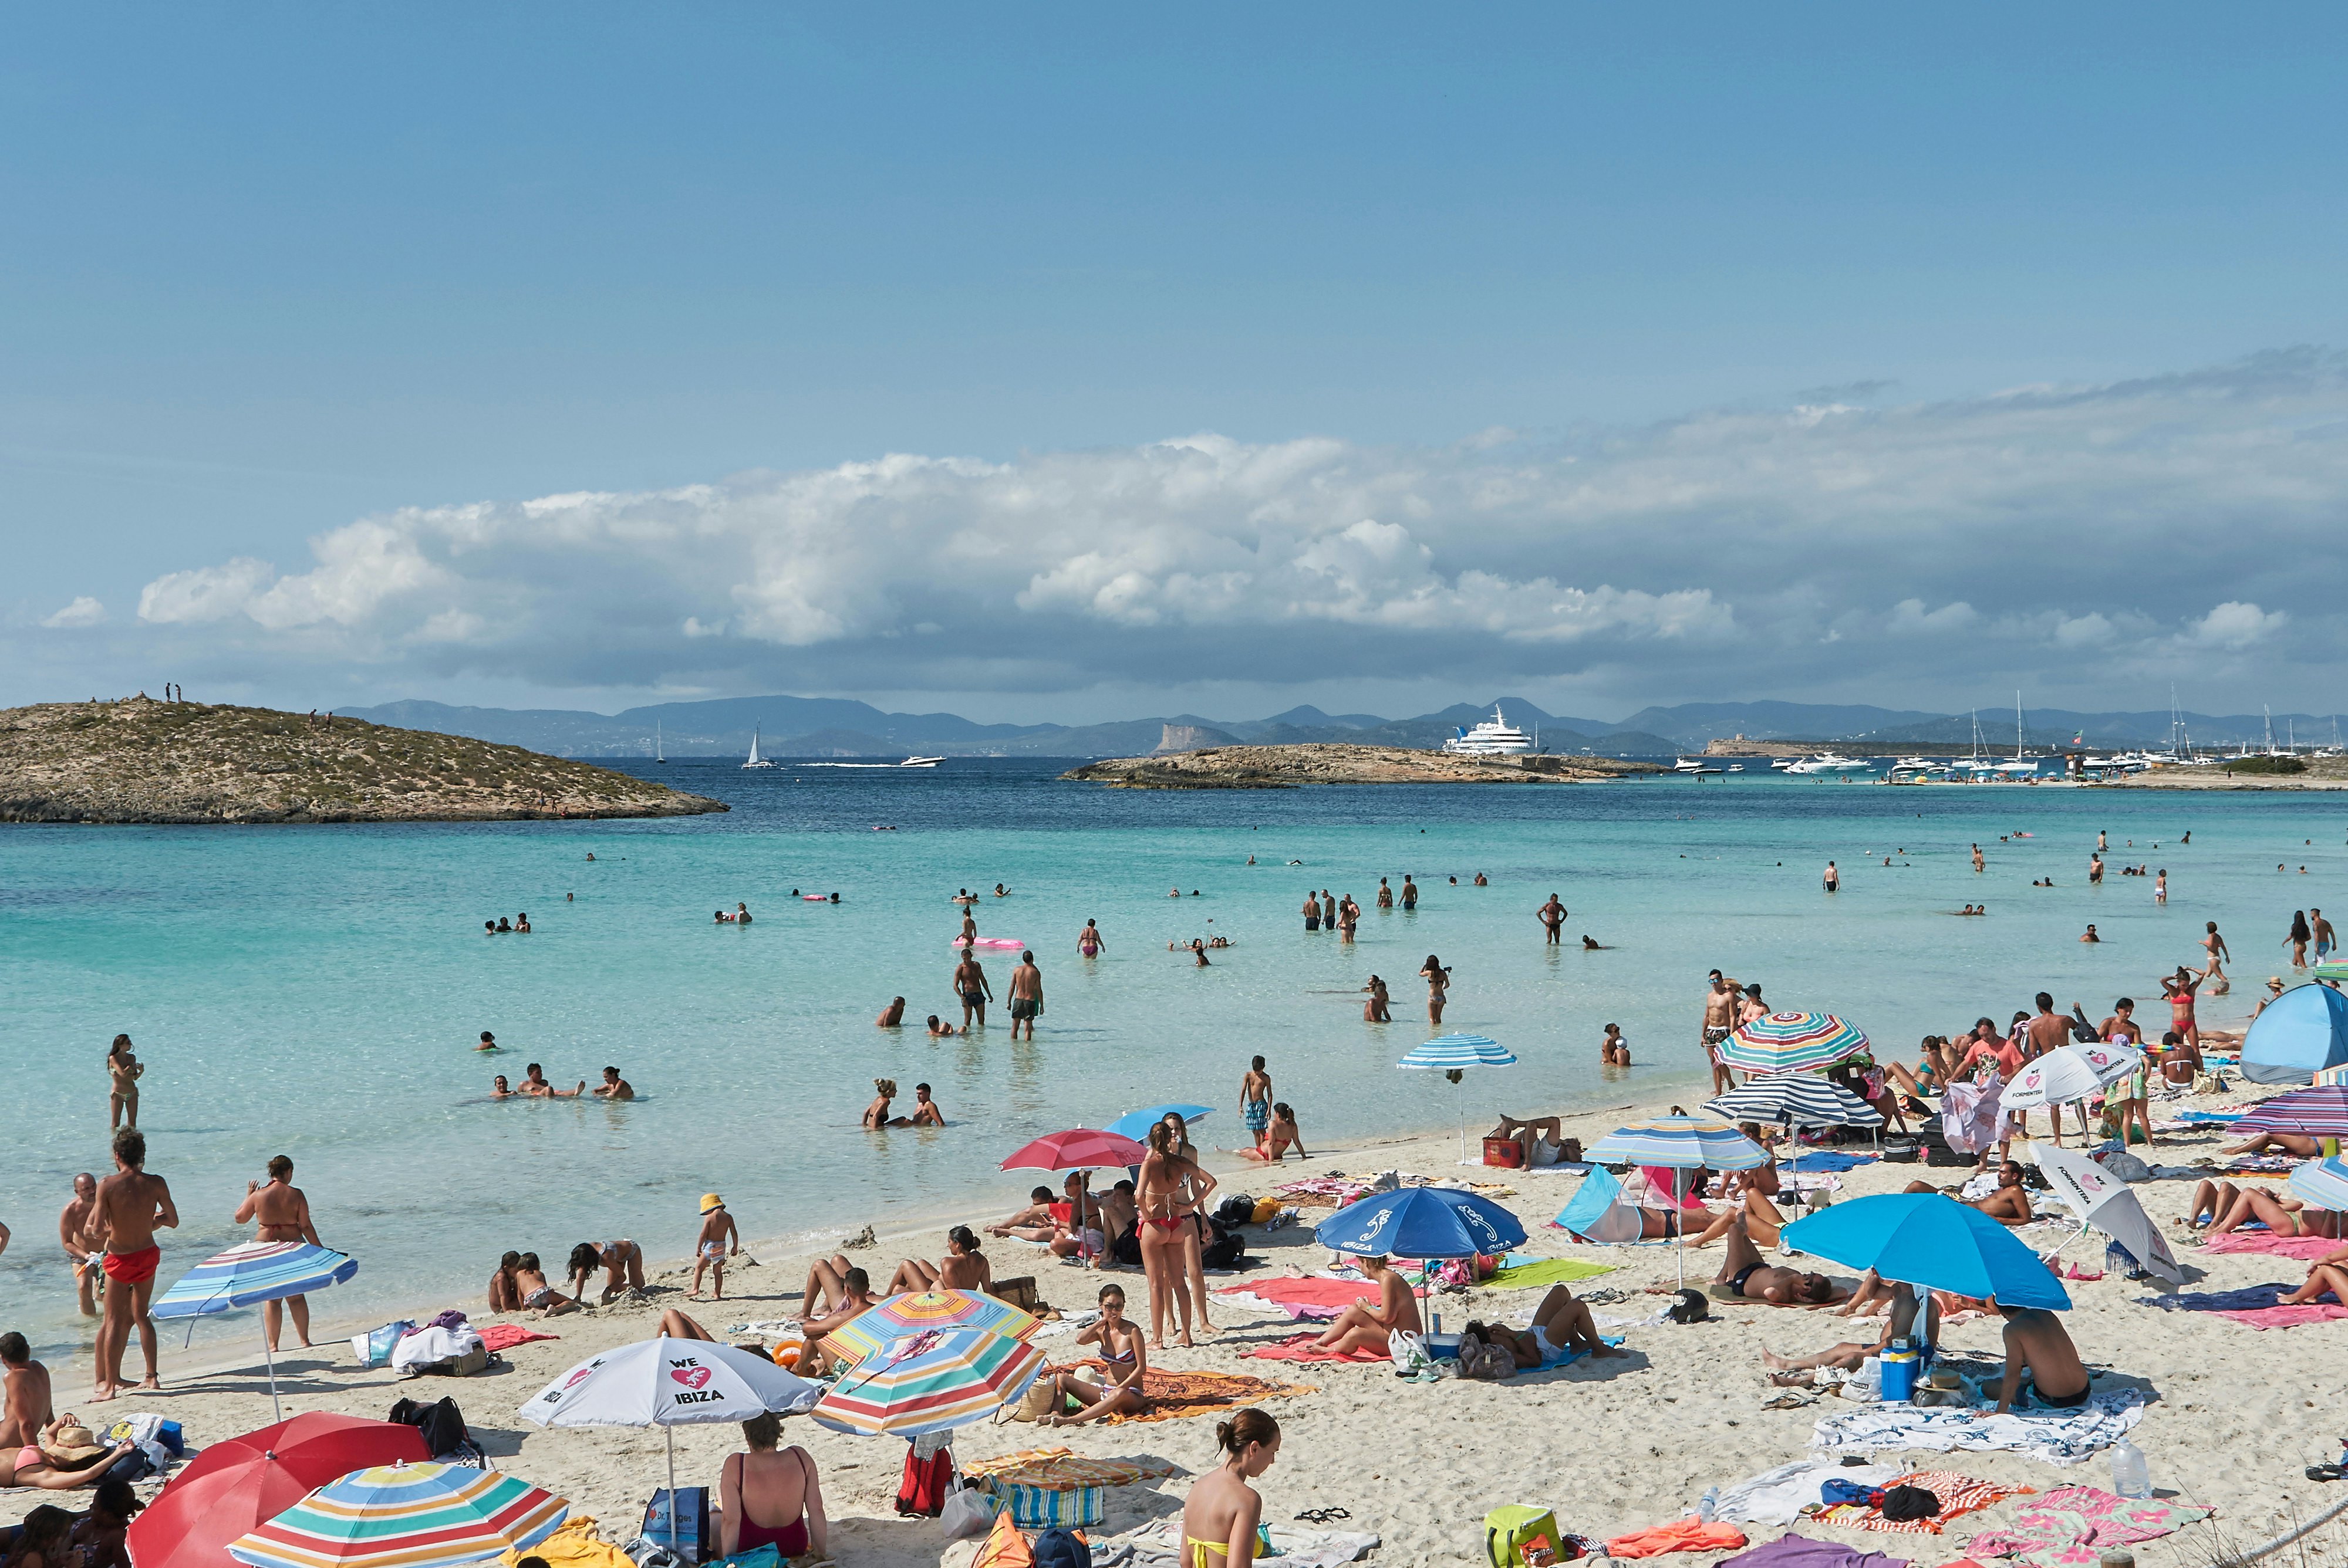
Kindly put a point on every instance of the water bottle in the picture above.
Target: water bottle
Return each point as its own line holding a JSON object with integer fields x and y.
{"x": 2131, "y": 1477}
{"x": 1710, "y": 1502}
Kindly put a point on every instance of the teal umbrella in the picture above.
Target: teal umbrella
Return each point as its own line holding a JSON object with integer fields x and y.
{"x": 1931, "y": 1241}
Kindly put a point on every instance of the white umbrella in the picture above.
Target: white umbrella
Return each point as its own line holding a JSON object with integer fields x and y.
{"x": 2069, "y": 1073}
{"x": 2102, "y": 1200}
{"x": 668, "y": 1383}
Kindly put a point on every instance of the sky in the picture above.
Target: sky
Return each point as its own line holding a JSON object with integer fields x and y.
{"x": 1069, "y": 364}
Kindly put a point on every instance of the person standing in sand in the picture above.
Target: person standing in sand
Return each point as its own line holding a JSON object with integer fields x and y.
{"x": 1026, "y": 996}
{"x": 1439, "y": 982}
{"x": 970, "y": 985}
{"x": 1255, "y": 1100}
{"x": 280, "y": 1211}
{"x": 1553, "y": 919}
{"x": 73, "y": 1220}
{"x": 1165, "y": 1209}
{"x": 124, "y": 1070}
{"x": 1719, "y": 1020}
{"x": 720, "y": 1238}
{"x": 130, "y": 1207}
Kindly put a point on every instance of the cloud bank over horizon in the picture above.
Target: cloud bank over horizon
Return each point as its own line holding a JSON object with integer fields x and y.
{"x": 2098, "y": 541}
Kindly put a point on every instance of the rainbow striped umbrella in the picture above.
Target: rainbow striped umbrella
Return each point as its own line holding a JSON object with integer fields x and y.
{"x": 2311, "y": 1113}
{"x": 405, "y": 1516}
{"x": 1789, "y": 1043}
{"x": 921, "y": 1311}
{"x": 246, "y": 1276}
{"x": 930, "y": 1382}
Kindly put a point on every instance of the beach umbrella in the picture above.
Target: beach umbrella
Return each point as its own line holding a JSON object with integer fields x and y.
{"x": 1421, "y": 1222}
{"x": 1135, "y": 1124}
{"x": 405, "y": 1516}
{"x": 1789, "y": 1043}
{"x": 1797, "y": 1099}
{"x": 2323, "y": 1183}
{"x": 2103, "y": 1201}
{"x": 239, "y": 1483}
{"x": 668, "y": 1383}
{"x": 1452, "y": 1054}
{"x": 930, "y": 1382}
{"x": 2068, "y": 1073}
{"x": 1678, "y": 1143}
{"x": 2313, "y": 1113}
{"x": 247, "y": 1276}
{"x": 917, "y": 1311}
{"x": 1931, "y": 1241}
{"x": 2335, "y": 1076}
{"x": 1078, "y": 1149}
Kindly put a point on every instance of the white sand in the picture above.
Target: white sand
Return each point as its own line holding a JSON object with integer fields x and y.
{"x": 1612, "y": 1446}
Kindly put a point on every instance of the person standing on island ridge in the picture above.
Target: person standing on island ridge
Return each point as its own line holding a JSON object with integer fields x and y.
{"x": 710, "y": 1248}
{"x": 131, "y": 1205}
{"x": 1026, "y": 994}
{"x": 1832, "y": 879}
{"x": 279, "y": 1211}
{"x": 1719, "y": 1018}
{"x": 124, "y": 1071}
{"x": 73, "y": 1220}
{"x": 970, "y": 985}
{"x": 1255, "y": 1100}
{"x": 1552, "y": 919}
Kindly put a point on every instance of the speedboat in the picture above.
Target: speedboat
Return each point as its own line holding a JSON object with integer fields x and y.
{"x": 1829, "y": 762}
{"x": 921, "y": 761}
{"x": 1495, "y": 737}
{"x": 1697, "y": 766}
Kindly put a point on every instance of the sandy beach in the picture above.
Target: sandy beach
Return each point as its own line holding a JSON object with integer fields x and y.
{"x": 1614, "y": 1446}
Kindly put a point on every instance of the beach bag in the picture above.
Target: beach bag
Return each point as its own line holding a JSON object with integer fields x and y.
{"x": 692, "y": 1523}
{"x": 1511, "y": 1532}
{"x": 1906, "y": 1503}
{"x": 1485, "y": 1361}
{"x": 1238, "y": 1209}
{"x": 921, "y": 1493}
{"x": 1266, "y": 1210}
{"x": 375, "y": 1346}
{"x": 1043, "y": 1507}
{"x": 441, "y": 1423}
{"x": 1004, "y": 1546}
{"x": 969, "y": 1513}
{"x": 1020, "y": 1292}
{"x": 1063, "y": 1549}
{"x": 1409, "y": 1353}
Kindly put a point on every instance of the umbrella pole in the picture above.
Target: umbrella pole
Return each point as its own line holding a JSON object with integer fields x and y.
{"x": 1679, "y": 1230}
{"x": 669, "y": 1433}
{"x": 270, "y": 1360}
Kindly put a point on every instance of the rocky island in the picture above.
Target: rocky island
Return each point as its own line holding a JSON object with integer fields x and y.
{"x": 1288, "y": 767}
{"x": 140, "y": 761}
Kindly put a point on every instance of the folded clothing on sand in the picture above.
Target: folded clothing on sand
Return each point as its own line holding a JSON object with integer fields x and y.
{"x": 2058, "y": 1436}
{"x": 1779, "y": 1496}
{"x": 1958, "y": 1494}
{"x": 506, "y": 1336}
{"x": 2259, "y": 1305}
{"x": 1300, "y": 1348}
{"x": 1801, "y": 1551}
{"x": 2071, "y": 1524}
{"x": 1680, "y": 1535}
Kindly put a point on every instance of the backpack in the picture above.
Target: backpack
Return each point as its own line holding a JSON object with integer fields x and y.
{"x": 1228, "y": 1250}
{"x": 441, "y": 1423}
{"x": 1004, "y": 1547}
{"x": 1063, "y": 1549}
{"x": 1238, "y": 1209}
{"x": 1510, "y": 1532}
{"x": 922, "y": 1491}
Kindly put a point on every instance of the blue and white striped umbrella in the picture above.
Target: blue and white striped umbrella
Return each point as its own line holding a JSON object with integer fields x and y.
{"x": 1453, "y": 1050}
{"x": 1797, "y": 1099}
{"x": 1679, "y": 1142}
{"x": 2323, "y": 1183}
{"x": 256, "y": 1272}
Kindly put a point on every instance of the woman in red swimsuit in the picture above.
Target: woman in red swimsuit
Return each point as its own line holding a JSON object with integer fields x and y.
{"x": 768, "y": 1498}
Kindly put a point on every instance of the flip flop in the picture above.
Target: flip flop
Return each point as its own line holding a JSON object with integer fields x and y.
{"x": 1323, "y": 1515}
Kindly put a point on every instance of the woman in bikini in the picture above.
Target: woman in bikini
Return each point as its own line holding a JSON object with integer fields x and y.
{"x": 1125, "y": 1365}
{"x": 1165, "y": 1212}
{"x": 1438, "y": 980}
{"x": 770, "y": 1498}
{"x": 964, "y": 1267}
{"x": 1220, "y": 1517}
{"x": 1278, "y": 1138}
{"x": 876, "y": 1115}
{"x": 1089, "y": 940}
{"x": 124, "y": 1070}
{"x": 2178, "y": 993}
{"x": 29, "y": 1466}
{"x": 537, "y": 1294}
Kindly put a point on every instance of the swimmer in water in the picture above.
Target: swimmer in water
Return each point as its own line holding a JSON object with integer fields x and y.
{"x": 1589, "y": 945}
{"x": 1614, "y": 1050}
{"x": 1375, "y": 1009}
{"x": 893, "y": 1016}
{"x": 489, "y": 1041}
{"x": 1089, "y": 942}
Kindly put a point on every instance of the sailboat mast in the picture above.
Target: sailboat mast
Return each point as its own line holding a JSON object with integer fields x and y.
{"x": 2017, "y": 726}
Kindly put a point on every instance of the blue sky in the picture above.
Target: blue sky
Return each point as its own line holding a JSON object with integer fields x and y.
{"x": 303, "y": 307}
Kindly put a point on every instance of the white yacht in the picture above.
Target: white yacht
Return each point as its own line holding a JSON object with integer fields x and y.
{"x": 1495, "y": 737}
{"x": 921, "y": 761}
{"x": 1696, "y": 766}
{"x": 755, "y": 760}
{"x": 1830, "y": 763}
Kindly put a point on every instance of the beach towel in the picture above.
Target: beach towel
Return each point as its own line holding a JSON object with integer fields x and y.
{"x": 2306, "y": 1249}
{"x": 1829, "y": 1160}
{"x": 1300, "y": 1348}
{"x": 1314, "y": 1296}
{"x": 1177, "y": 1395}
{"x": 1158, "y": 1544}
{"x": 2255, "y": 1305}
{"x": 1971, "y": 1116}
{"x": 575, "y": 1544}
{"x": 1065, "y": 1467}
{"x": 1539, "y": 1274}
{"x": 506, "y": 1336}
{"x": 1680, "y": 1535}
{"x": 2058, "y": 1436}
{"x": 1801, "y": 1552}
{"x": 1958, "y": 1494}
{"x": 1779, "y": 1496}
{"x": 2070, "y": 1526}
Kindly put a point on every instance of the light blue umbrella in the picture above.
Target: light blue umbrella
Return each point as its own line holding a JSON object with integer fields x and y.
{"x": 1135, "y": 1124}
{"x": 1931, "y": 1241}
{"x": 247, "y": 1276}
{"x": 1451, "y": 1054}
{"x": 1421, "y": 1222}
{"x": 2323, "y": 1183}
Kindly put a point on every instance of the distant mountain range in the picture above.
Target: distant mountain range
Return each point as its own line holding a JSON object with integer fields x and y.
{"x": 839, "y": 727}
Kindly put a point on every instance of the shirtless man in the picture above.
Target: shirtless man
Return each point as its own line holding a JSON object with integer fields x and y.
{"x": 26, "y": 1400}
{"x": 851, "y": 1297}
{"x": 720, "y": 1238}
{"x": 893, "y": 1016}
{"x": 73, "y": 1220}
{"x": 1255, "y": 1100}
{"x": 130, "y": 1207}
{"x": 1026, "y": 994}
{"x": 534, "y": 1083}
{"x": 279, "y": 1212}
{"x": 925, "y": 1109}
{"x": 1719, "y": 1020}
{"x": 1553, "y": 919}
{"x": 1832, "y": 879}
{"x": 1375, "y": 1010}
{"x": 614, "y": 1087}
{"x": 1365, "y": 1327}
{"x": 1409, "y": 894}
{"x": 2049, "y": 1031}
{"x": 2037, "y": 1343}
{"x": 970, "y": 985}
{"x": 2009, "y": 1206}
{"x": 1743, "y": 1272}
{"x": 1121, "y": 1224}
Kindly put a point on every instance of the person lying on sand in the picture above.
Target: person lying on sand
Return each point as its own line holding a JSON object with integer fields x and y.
{"x": 1128, "y": 1364}
{"x": 1746, "y": 1276}
{"x": 2009, "y": 1206}
{"x": 1798, "y": 1371}
{"x": 2291, "y": 1143}
{"x": 33, "y": 1465}
{"x": 963, "y": 1267}
{"x": 1755, "y": 1214}
{"x": 1032, "y": 1223}
{"x": 2038, "y": 1344}
{"x": 2327, "y": 1275}
{"x": 677, "y": 1325}
{"x": 1539, "y": 1138}
{"x": 537, "y": 1294}
{"x": 2230, "y": 1207}
{"x": 1560, "y": 1324}
{"x": 1360, "y": 1326}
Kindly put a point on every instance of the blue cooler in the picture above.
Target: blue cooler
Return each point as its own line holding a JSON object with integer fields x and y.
{"x": 1903, "y": 1364}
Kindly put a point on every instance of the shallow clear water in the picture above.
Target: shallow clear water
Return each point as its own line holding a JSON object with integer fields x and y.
{"x": 317, "y": 991}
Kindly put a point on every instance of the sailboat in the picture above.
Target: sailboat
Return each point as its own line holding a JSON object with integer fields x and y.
{"x": 660, "y": 752}
{"x": 2022, "y": 762}
{"x": 755, "y": 760}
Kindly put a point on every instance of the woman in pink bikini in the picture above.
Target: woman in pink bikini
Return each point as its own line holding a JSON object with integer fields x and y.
{"x": 770, "y": 1498}
{"x": 1169, "y": 1193}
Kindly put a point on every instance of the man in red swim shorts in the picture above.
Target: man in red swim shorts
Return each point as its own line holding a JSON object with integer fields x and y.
{"x": 130, "y": 1207}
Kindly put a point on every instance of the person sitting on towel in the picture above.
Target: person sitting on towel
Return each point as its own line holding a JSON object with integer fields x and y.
{"x": 1561, "y": 1325}
{"x": 1362, "y": 1327}
{"x": 2327, "y": 1274}
{"x": 2009, "y": 1205}
{"x": 851, "y": 1297}
{"x": 1744, "y": 1273}
{"x": 2230, "y": 1207}
{"x": 2037, "y": 1343}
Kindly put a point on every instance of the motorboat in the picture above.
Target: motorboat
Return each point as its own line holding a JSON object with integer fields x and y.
{"x": 1695, "y": 766}
{"x": 1495, "y": 737}
{"x": 921, "y": 761}
{"x": 1830, "y": 763}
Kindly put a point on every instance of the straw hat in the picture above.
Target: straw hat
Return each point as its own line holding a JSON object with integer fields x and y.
{"x": 71, "y": 1443}
{"x": 711, "y": 1201}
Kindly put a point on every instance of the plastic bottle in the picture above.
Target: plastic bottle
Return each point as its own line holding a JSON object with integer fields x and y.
{"x": 2130, "y": 1476}
{"x": 1705, "y": 1509}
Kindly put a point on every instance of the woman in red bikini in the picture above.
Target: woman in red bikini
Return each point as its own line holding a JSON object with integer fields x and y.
{"x": 1168, "y": 1194}
{"x": 770, "y": 1498}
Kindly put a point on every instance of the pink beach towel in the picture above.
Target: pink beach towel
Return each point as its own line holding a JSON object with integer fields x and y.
{"x": 2306, "y": 1249}
{"x": 1306, "y": 1297}
{"x": 1300, "y": 1348}
{"x": 506, "y": 1336}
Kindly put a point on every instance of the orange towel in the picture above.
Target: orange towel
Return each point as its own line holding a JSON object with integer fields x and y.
{"x": 1680, "y": 1535}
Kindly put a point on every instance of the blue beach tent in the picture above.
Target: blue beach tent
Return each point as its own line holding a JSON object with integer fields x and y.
{"x": 2301, "y": 1033}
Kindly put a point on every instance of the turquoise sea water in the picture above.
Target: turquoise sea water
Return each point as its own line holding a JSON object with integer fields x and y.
{"x": 317, "y": 991}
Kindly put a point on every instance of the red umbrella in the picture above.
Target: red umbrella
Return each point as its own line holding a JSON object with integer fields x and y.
{"x": 241, "y": 1482}
{"x": 1079, "y": 1149}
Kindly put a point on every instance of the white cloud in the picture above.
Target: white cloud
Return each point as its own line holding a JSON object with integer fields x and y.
{"x": 2234, "y": 626}
{"x": 1909, "y": 618}
{"x": 206, "y": 594}
{"x": 83, "y": 611}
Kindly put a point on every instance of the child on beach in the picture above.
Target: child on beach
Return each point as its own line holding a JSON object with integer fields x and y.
{"x": 720, "y": 1238}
